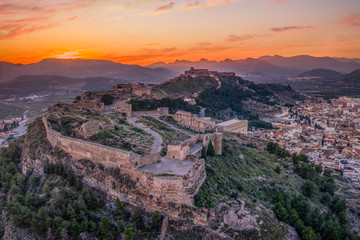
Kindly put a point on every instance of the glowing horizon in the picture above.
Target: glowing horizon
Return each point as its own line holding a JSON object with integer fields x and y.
{"x": 148, "y": 31}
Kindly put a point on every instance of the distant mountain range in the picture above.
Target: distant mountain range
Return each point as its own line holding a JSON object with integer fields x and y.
{"x": 321, "y": 73}
{"x": 84, "y": 74}
{"x": 327, "y": 83}
{"x": 266, "y": 68}
{"x": 83, "y": 68}
{"x": 48, "y": 84}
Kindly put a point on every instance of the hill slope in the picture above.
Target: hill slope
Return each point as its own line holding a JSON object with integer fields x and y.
{"x": 321, "y": 73}
{"x": 226, "y": 92}
{"x": 84, "y": 68}
{"x": 306, "y": 62}
{"x": 49, "y": 84}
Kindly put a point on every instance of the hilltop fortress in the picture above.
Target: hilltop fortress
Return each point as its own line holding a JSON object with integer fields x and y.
{"x": 163, "y": 179}
{"x": 156, "y": 181}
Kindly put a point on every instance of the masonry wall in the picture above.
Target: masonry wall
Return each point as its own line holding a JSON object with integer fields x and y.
{"x": 177, "y": 189}
{"x": 192, "y": 121}
{"x": 157, "y": 193}
{"x": 84, "y": 149}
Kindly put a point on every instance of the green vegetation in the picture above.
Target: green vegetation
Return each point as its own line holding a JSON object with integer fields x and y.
{"x": 260, "y": 124}
{"x": 230, "y": 96}
{"x": 65, "y": 123}
{"x": 168, "y": 134}
{"x": 57, "y": 205}
{"x": 245, "y": 171}
{"x": 188, "y": 85}
{"x": 172, "y": 104}
{"x": 300, "y": 193}
{"x": 125, "y": 138}
{"x": 274, "y": 148}
{"x": 107, "y": 99}
{"x": 171, "y": 121}
{"x": 313, "y": 222}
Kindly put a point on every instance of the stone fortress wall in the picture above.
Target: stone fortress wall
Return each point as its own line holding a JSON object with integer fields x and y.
{"x": 193, "y": 122}
{"x": 168, "y": 188}
{"x": 126, "y": 109}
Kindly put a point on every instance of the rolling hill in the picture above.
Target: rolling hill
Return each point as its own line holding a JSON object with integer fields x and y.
{"x": 85, "y": 68}
{"x": 321, "y": 73}
{"x": 49, "y": 84}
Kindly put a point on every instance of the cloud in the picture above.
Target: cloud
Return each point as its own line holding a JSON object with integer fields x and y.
{"x": 151, "y": 44}
{"x": 209, "y": 48}
{"x": 20, "y": 17}
{"x": 242, "y": 38}
{"x": 67, "y": 55}
{"x": 12, "y": 29}
{"x": 277, "y": 2}
{"x": 290, "y": 28}
{"x": 191, "y": 6}
{"x": 73, "y": 18}
{"x": 164, "y": 8}
{"x": 215, "y": 3}
{"x": 351, "y": 20}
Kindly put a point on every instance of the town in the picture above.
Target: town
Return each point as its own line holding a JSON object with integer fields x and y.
{"x": 11, "y": 129}
{"x": 327, "y": 131}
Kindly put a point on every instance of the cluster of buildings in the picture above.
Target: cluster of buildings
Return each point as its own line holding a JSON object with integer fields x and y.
{"x": 327, "y": 131}
{"x": 12, "y": 133}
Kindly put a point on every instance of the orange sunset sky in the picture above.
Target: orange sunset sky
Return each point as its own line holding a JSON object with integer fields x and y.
{"x": 146, "y": 31}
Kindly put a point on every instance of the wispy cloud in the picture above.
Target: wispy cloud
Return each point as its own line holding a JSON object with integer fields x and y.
{"x": 245, "y": 37}
{"x": 67, "y": 55}
{"x": 163, "y": 8}
{"x": 351, "y": 20}
{"x": 191, "y": 6}
{"x": 12, "y": 29}
{"x": 273, "y": 3}
{"x": 20, "y": 17}
{"x": 215, "y": 3}
{"x": 290, "y": 28}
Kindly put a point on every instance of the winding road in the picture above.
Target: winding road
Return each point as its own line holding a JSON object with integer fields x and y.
{"x": 156, "y": 147}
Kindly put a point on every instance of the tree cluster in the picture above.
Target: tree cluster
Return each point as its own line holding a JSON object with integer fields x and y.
{"x": 107, "y": 99}
{"x": 274, "y": 148}
{"x": 172, "y": 104}
{"x": 310, "y": 222}
{"x": 8, "y": 126}
{"x": 57, "y": 206}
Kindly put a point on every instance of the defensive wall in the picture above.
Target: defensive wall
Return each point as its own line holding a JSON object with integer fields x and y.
{"x": 126, "y": 109}
{"x": 96, "y": 152}
{"x": 163, "y": 187}
{"x": 193, "y": 122}
{"x": 181, "y": 151}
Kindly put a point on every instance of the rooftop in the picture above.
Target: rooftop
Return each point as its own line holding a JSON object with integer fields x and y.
{"x": 230, "y": 122}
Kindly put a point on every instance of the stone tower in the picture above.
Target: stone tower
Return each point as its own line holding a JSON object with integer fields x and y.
{"x": 218, "y": 143}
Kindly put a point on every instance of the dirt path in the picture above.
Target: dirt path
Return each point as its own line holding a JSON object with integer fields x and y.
{"x": 156, "y": 147}
{"x": 175, "y": 128}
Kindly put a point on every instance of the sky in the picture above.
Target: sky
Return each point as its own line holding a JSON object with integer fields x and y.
{"x": 147, "y": 31}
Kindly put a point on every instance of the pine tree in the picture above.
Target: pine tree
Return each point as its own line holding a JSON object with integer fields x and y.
{"x": 211, "y": 150}
{"x": 203, "y": 153}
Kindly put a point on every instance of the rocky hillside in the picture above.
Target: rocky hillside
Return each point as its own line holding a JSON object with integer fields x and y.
{"x": 225, "y": 94}
{"x": 46, "y": 194}
{"x": 321, "y": 73}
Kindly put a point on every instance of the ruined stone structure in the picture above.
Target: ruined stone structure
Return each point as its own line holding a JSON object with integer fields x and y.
{"x": 91, "y": 128}
{"x": 193, "y": 122}
{"x": 234, "y": 125}
{"x": 157, "y": 187}
{"x": 135, "y": 89}
{"x": 194, "y": 145}
{"x": 124, "y": 108}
